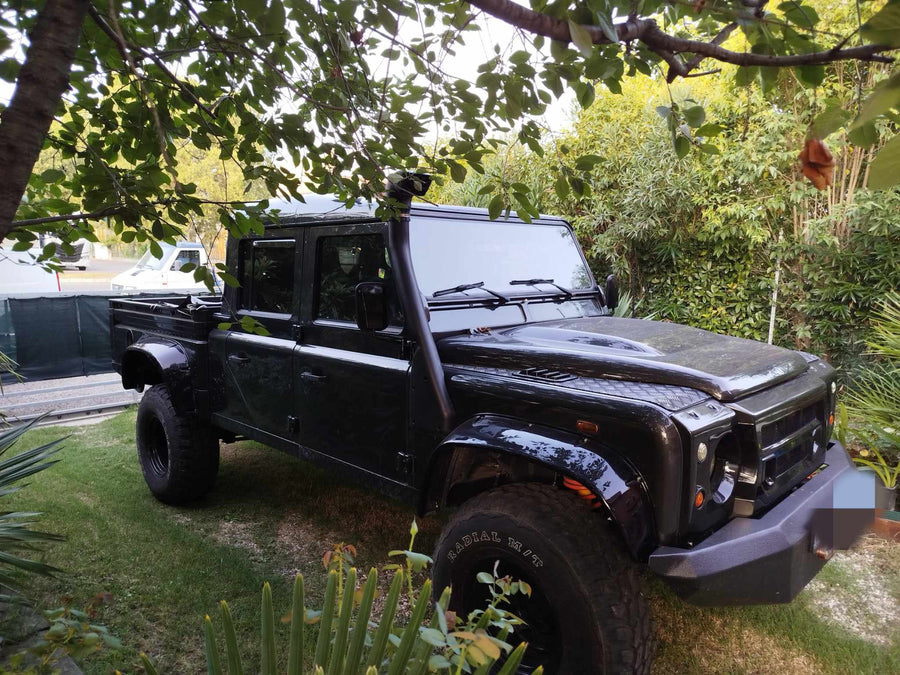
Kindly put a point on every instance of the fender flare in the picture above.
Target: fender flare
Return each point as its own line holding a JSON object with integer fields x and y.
{"x": 158, "y": 360}
{"x": 600, "y": 468}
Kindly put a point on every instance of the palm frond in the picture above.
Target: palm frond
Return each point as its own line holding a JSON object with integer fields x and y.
{"x": 16, "y": 533}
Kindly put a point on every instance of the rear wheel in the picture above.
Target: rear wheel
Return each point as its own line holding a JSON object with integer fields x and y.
{"x": 587, "y": 613}
{"x": 179, "y": 457}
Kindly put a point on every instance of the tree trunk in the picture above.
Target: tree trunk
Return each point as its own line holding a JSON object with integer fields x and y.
{"x": 43, "y": 80}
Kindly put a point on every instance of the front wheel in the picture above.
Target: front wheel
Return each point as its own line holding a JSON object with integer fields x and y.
{"x": 587, "y": 612}
{"x": 179, "y": 456}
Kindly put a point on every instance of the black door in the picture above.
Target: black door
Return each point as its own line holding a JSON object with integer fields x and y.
{"x": 351, "y": 385}
{"x": 258, "y": 382}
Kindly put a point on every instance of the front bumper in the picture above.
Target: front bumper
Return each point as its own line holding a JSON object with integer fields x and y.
{"x": 771, "y": 558}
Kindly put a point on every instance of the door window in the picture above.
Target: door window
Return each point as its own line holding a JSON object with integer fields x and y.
{"x": 344, "y": 262}
{"x": 267, "y": 279}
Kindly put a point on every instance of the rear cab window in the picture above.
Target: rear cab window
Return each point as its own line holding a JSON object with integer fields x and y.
{"x": 267, "y": 276}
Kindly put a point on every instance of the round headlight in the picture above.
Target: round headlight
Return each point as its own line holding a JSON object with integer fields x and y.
{"x": 702, "y": 452}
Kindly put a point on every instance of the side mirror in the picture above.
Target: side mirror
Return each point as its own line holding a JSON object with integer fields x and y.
{"x": 612, "y": 292}
{"x": 371, "y": 306}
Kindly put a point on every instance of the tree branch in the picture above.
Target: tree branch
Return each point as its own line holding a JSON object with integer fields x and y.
{"x": 697, "y": 60}
{"x": 648, "y": 32}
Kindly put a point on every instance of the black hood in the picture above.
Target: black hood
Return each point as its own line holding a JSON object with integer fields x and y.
{"x": 632, "y": 349}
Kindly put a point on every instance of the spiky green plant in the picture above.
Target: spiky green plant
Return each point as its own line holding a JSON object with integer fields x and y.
{"x": 365, "y": 645}
{"x": 351, "y": 642}
{"x": 876, "y": 397}
{"x": 16, "y": 534}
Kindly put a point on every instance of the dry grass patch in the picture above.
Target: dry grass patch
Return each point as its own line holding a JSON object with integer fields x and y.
{"x": 858, "y": 595}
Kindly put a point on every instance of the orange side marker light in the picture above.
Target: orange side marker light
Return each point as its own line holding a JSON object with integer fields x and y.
{"x": 586, "y": 427}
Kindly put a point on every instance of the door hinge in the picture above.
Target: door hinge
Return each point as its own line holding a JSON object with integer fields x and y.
{"x": 404, "y": 464}
{"x": 297, "y": 332}
{"x": 293, "y": 424}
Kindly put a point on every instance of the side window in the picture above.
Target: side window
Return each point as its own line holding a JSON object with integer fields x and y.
{"x": 185, "y": 257}
{"x": 344, "y": 262}
{"x": 267, "y": 275}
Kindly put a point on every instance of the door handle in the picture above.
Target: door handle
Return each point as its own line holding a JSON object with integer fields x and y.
{"x": 239, "y": 358}
{"x": 308, "y": 376}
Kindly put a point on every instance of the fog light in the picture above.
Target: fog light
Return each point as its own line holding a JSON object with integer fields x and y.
{"x": 702, "y": 452}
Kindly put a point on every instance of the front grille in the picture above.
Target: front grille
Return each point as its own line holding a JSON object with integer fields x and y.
{"x": 787, "y": 460}
{"x": 789, "y": 446}
{"x": 773, "y": 432}
{"x": 64, "y": 257}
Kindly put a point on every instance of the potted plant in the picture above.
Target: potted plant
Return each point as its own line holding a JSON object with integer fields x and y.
{"x": 886, "y": 490}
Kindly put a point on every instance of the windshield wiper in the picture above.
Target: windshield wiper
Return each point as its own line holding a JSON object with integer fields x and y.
{"x": 468, "y": 287}
{"x": 534, "y": 282}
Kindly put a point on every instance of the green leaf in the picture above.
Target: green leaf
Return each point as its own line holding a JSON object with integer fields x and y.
{"x": 695, "y": 116}
{"x": 708, "y": 130}
{"x": 800, "y": 15}
{"x": 768, "y": 77}
{"x": 884, "y": 27}
{"x": 53, "y": 175}
{"x": 745, "y": 75}
{"x": 9, "y": 69}
{"x": 484, "y": 578}
{"x": 865, "y": 136}
{"x": 606, "y": 26}
{"x": 495, "y": 207}
{"x": 883, "y": 98}
{"x": 884, "y": 171}
{"x": 457, "y": 171}
{"x": 587, "y": 162}
{"x": 432, "y": 636}
{"x": 709, "y": 149}
{"x": 830, "y": 120}
{"x": 682, "y": 146}
{"x": 585, "y": 92}
{"x": 229, "y": 279}
{"x": 664, "y": 111}
{"x": 811, "y": 76}
{"x": 561, "y": 187}
{"x": 581, "y": 37}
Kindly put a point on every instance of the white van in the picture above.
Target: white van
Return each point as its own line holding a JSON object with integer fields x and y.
{"x": 151, "y": 273}
{"x": 19, "y": 273}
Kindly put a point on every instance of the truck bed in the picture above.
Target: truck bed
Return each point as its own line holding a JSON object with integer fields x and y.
{"x": 170, "y": 316}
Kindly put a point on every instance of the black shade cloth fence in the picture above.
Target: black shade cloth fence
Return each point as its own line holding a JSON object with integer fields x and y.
{"x": 59, "y": 335}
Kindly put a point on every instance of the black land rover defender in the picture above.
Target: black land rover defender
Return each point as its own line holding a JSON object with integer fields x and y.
{"x": 460, "y": 363}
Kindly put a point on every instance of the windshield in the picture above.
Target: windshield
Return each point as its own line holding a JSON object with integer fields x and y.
{"x": 148, "y": 262}
{"x": 450, "y": 253}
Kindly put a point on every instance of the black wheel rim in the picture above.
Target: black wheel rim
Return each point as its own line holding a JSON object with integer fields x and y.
{"x": 541, "y": 630}
{"x": 157, "y": 446}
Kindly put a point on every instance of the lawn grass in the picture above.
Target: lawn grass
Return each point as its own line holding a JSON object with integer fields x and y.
{"x": 271, "y": 516}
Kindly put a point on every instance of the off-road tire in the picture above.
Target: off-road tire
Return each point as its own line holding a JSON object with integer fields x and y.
{"x": 590, "y": 585}
{"x": 179, "y": 457}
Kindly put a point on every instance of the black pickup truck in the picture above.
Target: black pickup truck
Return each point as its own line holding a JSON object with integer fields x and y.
{"x": 460, "y": 363}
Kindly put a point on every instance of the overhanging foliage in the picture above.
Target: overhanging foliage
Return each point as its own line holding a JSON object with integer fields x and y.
{"x": 339, "y": 90}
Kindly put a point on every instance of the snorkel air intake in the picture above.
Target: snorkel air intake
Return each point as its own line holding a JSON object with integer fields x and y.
{"x": 401, "y": 188}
